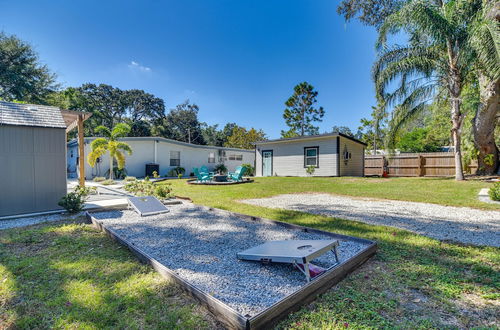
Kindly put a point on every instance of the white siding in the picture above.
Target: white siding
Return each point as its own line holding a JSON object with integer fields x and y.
{"x": 144, "y": 152}
{"x": 355, "y": 165}
{"x": 288, "y": 157}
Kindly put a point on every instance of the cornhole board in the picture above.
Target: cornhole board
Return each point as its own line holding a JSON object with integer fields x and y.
{"x": 296, "y": 252}
{"x": 147, "y": 205}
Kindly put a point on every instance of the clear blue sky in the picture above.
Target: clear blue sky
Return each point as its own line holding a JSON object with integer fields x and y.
{"x": 237, "y": 59}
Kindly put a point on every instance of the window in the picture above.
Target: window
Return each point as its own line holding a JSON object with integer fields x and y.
{"x": 211, "y": 157}
{"x": 175, "y": 158}
{"x": 222, "y": 156}
{"x": 311, "y": 156}
{"x": 235, "y": 157}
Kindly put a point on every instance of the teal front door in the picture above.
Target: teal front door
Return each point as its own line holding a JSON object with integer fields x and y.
{"x": 267, "y": 163}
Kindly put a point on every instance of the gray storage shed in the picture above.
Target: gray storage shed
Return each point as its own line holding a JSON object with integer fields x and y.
{"x": 32, "y": 158}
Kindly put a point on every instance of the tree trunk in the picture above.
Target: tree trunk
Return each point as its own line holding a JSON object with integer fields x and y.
{"x": 486, "y": 117}
{"x": 110, "y": 167}
{"x": 455, "y": 89}
{"x": 484, "y": 125}
{"x": 456, "y": 120}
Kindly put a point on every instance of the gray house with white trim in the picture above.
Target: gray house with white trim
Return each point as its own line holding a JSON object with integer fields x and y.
{"x": 332, "y": 154}
{"x": 32, "y": 158}
{"x": 166, "y": 153}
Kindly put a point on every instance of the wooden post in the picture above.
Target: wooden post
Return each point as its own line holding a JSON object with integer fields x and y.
{"x": 420, "y": 165}
{"x": 382, "y": 165}
{"x": 81, "y": 151}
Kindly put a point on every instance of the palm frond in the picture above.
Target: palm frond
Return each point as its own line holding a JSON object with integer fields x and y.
{"x": 423, "y": 16}
{"x": 125, "y": 147}
{"x": 484, "y": 38}
{"x": 103, "y": 130}
{"x": 120, "y": 159}
{"x": 401, "y": 115}
{"x": 99, "y": 143}
{"x": 94, "y": 154}
{"x": 413, "y": 66}
{"x": 120, "y": 130}
{"x": 407, "y": 89}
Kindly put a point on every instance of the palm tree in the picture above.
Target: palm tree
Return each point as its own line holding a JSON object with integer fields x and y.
{"x": 109, "y": 143}
{"x": 438, "y": 59}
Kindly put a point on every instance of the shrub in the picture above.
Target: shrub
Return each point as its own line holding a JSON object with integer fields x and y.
{"x": 130, "y": 178}
{"x": 155, "y": 175}
{"x": 74, "y": 201}
{"x": 148, "y": 188}
{"x": 310, "y": 169}
{"x": 250, "y": 169}
{"x": 176, "y": 171}
{"x": 162, "y": 191}
{"x": 99, "y": 179}
{"x": 495, "y": 191}
{"x": 220, "y": 168}
{"x": 107, "y": 182}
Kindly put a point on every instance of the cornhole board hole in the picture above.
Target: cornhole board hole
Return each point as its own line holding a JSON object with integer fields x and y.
{"x": 296, "y": 252}
{"x": 147, "y": 205}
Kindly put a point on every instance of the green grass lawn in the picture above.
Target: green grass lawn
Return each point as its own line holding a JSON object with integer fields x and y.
{"x": 412, "y": 282}
{"x": 444, "y": 191}
{"x": 69, "y": 275}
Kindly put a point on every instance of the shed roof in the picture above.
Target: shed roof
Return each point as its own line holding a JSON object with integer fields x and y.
{"x": 310, "y": 137}
{"x": 30, "y": 115}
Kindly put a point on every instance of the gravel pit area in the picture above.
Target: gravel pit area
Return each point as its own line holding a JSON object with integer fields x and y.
{"x": 200, "y": 246}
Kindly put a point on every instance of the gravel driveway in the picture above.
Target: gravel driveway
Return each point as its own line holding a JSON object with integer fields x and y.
{"x": 460, "y": 224}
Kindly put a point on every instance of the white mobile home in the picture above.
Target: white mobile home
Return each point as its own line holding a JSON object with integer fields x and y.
{"x": 330, "y": 154}
{"x": 166, "y": 153}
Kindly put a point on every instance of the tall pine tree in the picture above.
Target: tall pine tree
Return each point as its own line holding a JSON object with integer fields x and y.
{"x": 301, "y": 113}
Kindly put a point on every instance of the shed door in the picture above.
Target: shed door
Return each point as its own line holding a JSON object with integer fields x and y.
{"x": 267, "y": 163}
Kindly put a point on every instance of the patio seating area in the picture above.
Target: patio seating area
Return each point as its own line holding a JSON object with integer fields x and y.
{"x": 205, "y": 177}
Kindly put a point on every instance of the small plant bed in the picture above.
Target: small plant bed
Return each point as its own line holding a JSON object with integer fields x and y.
{"x": 491, "y": 195}
{"x": 217, "y": 183}
{"x": 197, "y": 247}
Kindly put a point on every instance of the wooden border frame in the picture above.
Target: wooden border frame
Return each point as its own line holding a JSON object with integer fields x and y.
{"x": 273, "y": 314}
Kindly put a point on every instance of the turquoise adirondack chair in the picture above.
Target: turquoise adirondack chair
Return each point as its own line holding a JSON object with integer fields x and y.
{"x": 204, "y": 170}
{"x": 201, "y": 176}
{"x": 238, "y": 174}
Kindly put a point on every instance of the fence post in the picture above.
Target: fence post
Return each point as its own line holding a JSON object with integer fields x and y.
{"x": 382, "y": 165}
{"x": 421, "y": 164}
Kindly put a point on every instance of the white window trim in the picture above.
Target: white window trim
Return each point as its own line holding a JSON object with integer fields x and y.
{"x": 312, "y": 157}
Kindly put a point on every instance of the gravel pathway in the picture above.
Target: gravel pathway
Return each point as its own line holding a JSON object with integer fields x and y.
{"x": 201, "y": 247}
{"x": 22, "y": 222}
{"x": 460, "y": 224}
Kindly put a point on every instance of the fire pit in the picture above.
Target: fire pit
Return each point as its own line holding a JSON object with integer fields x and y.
{"x": 219, "y": 178}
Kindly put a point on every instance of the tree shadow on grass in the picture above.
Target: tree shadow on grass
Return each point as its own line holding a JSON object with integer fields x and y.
{"x": 69, "y": 275}
{"x": 421, "y": 282}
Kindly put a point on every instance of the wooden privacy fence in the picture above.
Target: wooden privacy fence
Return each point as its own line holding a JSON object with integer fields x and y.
{"x": 415, "y": 164}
